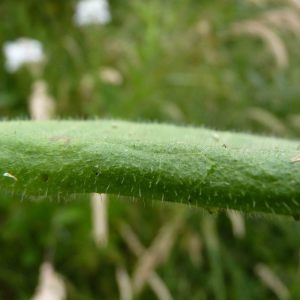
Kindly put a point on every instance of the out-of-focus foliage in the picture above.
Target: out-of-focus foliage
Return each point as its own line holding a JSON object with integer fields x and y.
{"x": 223, "y": 64}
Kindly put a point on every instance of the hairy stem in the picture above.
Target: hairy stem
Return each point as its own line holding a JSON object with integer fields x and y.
{"x": 151, "y": 161}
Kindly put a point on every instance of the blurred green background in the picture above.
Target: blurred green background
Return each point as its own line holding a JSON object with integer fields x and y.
{"x": 228, "y": 65}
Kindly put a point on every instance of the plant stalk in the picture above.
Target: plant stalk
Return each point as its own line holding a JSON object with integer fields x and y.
{"x": 197, "y": 166}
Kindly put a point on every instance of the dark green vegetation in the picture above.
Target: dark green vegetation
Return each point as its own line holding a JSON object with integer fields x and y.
{"x": 181, "y": 62}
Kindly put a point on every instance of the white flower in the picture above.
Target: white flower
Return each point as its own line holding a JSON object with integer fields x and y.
{"x": 22, "y": 51}
{"x": 92, "y": 12}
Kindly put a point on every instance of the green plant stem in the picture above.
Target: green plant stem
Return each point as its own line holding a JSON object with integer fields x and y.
{"x": 214, "y": 170}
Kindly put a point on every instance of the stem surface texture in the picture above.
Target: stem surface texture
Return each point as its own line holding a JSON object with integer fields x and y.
{"x": 214, "y": 170}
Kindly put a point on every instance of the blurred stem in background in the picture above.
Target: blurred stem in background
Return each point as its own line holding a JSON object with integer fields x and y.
{"x": 99, "y": 208}
{"x": 215, "y": 259}
{"x": 41, "y": 108}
